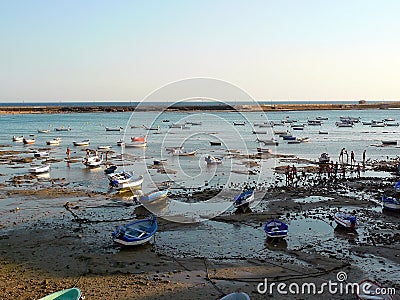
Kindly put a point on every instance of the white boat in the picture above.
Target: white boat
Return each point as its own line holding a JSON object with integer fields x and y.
{"x": 270, "y": 142}
{"x": 172, "y": 149}
{"x": 18, "y": 139}
{"x": 28, "y": 141}
{"x": 211, "y": 160}
{"x": 305, "y": 139}
{"x": 54, "y": 142}
{"x": 41, "y": 154}
{"x": 243, "y": 199}
{"x": 378, "y": 125}
{"x": 236, "y": 296}
{"x": 121, "y": 143}
{"x": 345, "y": 220}
{"x": 136, "y": 145}
{"x": 63, "y": 129}
{"x": 152, "y": 197}
{"x": 82, "y": 143}
{"x": 104, "y": 147}
{"x": 119, "y": 178}
{"x": 369, "y": 290}
{"x": 43, "y": 131}
{"x": 180, "y": 152}
{"x": 39, "y": 169}
{"x": 114, "y": 129}
{"x": 133, "y": 182}
{"x": 341, "y": 124}
{"x": 264, "y": 150}
{"x": 93, "y": 161}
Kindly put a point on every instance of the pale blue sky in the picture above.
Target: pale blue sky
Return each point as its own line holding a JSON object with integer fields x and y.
{"x": 122, "y": 50}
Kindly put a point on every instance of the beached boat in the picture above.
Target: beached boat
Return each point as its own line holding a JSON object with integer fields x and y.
{"x": 243, "y": 199}
{"x": 43, "y": 131}
{"x": 271, "y": 142}
{"x": 388, "y": 143}
{"x": 136, "y": 145}
{"x": 39, "y": 169}
{"x": 132, "y": 183}
{"x": 121, "y": 143}
{"x": 324, "y": 158}
{"x": 215, "y": 143}
{"x": 154, "y": 196}
{"x": 136, "y": 233}
{"x": 41, "y": 154}
{"x": 276, "y": 229}
{"x": 211, "y": 160}
{"x": 346, "y": 220}
{"x": 117, "y": 179}
{"x": 114, "y": 128}
{"x": 239, "y": 123}
{"x": 110, "y": 169}
{"x": 181, "y": 152}
{"x": 54, "y": 142}
{"x": 68, "y": 294}
{"x": 18, "y": 139}
{"x": 264, "y": 150}
{"x": 236, "y": 296}
{"x": 82, "y": 143}
{"x": 28, "y": 141}
{"x": 369, "y": 290}
{"x": 391, "y": 203}
{"x": 63, "y": 129}
{"x": 288, "y": 138}
{"x": 93, "y": 161}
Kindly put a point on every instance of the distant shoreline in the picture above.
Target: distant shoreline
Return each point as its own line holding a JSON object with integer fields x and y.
{"x": 43, "y": 109}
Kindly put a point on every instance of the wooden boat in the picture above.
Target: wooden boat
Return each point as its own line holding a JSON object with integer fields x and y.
{"x": 114, "y": 129}
{"x": 276, "y": 229}
{"x": 346, "y": 220}
{"x": 18, "y": 139}
{"x": 215, "y": 143}
{"x": 41, "y": 154}
{"x": 264, "y": 150}
{"x": 211, "y": 160}
{"x": 39, "y": 169}
{"x": 68, "y": 294}
{"x": 391, "y": 203}
{"x": 82, "y": 143}
{"x": 43, "y": 131}
{"x": 136, "y": 233}
{"x": 93, "y": 161}
{"x": 180, "y": 152}
{"x": 136, "y": 145}
{"x": 239, "y": 123}
{"x": 28, "y": 141}
{"x": 117, "y": 179}
{"x": 388, "y": 143}
{"x": 368, "y": 290}
{"x": 271, "y": 142}
{"x": 289, "y": 137}
{"x": 121, "y": 143}
{"x": 63, "y": 129}
{"x": 139, "y": 138}
{"x": 236, "y": 296}
{"x": 243, "y": 199}
{"x": 152, "y": 197}
{"x": 54, "y": 142}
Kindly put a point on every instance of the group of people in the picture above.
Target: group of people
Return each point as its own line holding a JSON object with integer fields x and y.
{"x": 344, "y": 153}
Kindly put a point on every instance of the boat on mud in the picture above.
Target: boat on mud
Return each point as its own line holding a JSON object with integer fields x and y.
{"x": 141, "y": 139}
{"x": 93, "y": 161}
{"x": 181, "y": 152}
{"x": 346, "y": 220}
{"x": 136, "y": 145}
{"x": 152, "y": 197}
{"x": 28, "y": 141}
{"x": 68, "y": 294}
{"x": 39, "y": 169}
{"x": 236, "y": 296}
{"x": 211, "y": 160}
{"x": 391, "y": 203}
{"x": 136, "y": 233}
{"x": 54, "y": 142}
{"x": 117, "y": 179}
{"x": 276, "y": 229}
{"x": 244, "y": 199}
{"x": 41, "y": 154}
{"x": 81, "y": 143}
{"x": 368, "y": 290}
{"x": 130, "y": 183}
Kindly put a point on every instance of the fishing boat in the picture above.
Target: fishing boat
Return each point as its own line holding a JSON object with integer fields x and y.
{"x": 368, "y": 290}
{"x": 215, "y": 143}
{"x": 136, "y": 233}
{"x": 63, "y": 129}
{"x": 152, "y": 197}
{"x": 264, "y": 150}
{"x": 239, "y": 123}
{"x": 289, "y": 137}
{"x": 276, "y": 229}
{"x": 271, "y": 142}
{"x": 43, "y": 131}
{"x": 82, "y": 143}
{"x": 346, "y": 220}
{"x": 211, "y": 160}
{"x": 39, "y": 169}
{"x": 41, "y": 154}
{"x": 93, "y": 161}
{"x": 114, "y": 128}
{"x": 132, "y": 183}
{"x": 18, "y": 139}
{"x": 117, "y": 179}
{"x": 68, "y": 294}
{"x": 28, "y": 141}
{"x": 236, "y": 296}
{"x": 136, "y": 145}
{"x": 388, "y": 143}
{"x": 181, "y": 152}
{"x": 139, "y": 138}
{"x": 243, "y": 199}
{"x": 391, "y": 203}
{"x": 54, "y": 142}
{"x": 121, "y": 143}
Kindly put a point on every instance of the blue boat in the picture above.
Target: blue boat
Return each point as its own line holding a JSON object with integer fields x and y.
{"x": 136, "y": 233}
{"x": 288, "y": 137}
{"x": 69, "y": 294}
{"x": 244, "y": 198}
{"x": 391, "y": 203}
{"x": 276, "y": 229}
{"x": 397, "y": 187}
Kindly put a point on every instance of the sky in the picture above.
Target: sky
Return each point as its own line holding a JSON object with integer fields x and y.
{"x": 94, "y": 50}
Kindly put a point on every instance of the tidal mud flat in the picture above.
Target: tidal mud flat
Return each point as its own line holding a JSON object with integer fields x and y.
{"x": 60, "y": 246}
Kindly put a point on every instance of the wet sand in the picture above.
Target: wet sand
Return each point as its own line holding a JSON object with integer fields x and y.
{"x": 71, "y": 245}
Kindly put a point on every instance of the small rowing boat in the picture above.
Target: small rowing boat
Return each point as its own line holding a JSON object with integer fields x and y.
{"x": 54, "y": 142}
{"x": 114, "y": 128}
{"x": 136, "y": 233}
{"x": 39, "y": 169}
{"x": 93, "y": 161}
{"x": 63, "y": 129}
{"x": 211, "y": 160}
{"x": 43, "y": 131}
{"x": 28, "y": 141}
{"x": 276, "y": 229}
{"x": 68, "y": 294}
{"x": 236, "y": 296}
{"x": 345, "y": 220}
{"x": 181, "y": 152}
{"x": 243, "y": 199}
{"x": 18, "y": 139}
{"x": 369, "y": 290}
{"x": 215, "y": 143}
{"x": 391, "y": 203}
{"x": 82, "y": 143}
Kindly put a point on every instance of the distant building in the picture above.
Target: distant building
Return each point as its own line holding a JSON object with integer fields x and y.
{"x": 362, "y": 102}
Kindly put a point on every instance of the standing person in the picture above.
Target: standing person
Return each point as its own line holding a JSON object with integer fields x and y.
{"x": 343, "y": 171}
{"x": 336, "y": 168}
{"x": 341, "y": 155}
{"x": 87, "y": 152}
{"x": 363, "y": 158}
{"x": 358, "y": 171}
{"x": 294, "y": 172}
{"x": 287, "y": 171}
{"x": 68, "y": 153}
{"x": 347, "y": 156}
{"x": 352, "y": 159}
